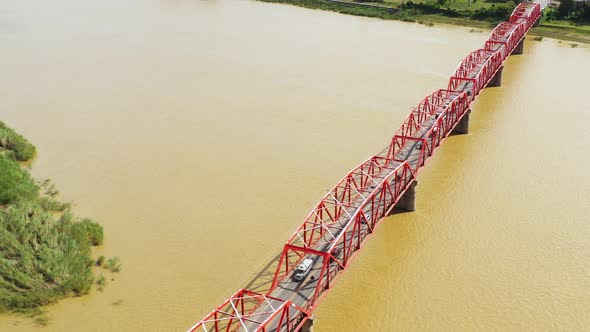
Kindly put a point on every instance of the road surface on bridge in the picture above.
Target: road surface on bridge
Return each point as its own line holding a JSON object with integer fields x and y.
{"x": 347, "y": 214}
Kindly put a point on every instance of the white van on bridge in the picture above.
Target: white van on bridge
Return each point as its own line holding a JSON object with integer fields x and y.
{"x": 303, "y": 269}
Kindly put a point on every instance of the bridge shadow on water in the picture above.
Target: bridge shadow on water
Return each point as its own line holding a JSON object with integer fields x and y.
{"x": 262, "y": 281}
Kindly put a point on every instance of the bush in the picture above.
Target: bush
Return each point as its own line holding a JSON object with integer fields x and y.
{"x": 44, "y": 250}
{"x": 41, "y": 320}
{"x": 44, "y": 257}
{"x": 584, "y": 15}
{"x": 113, "y": 264}
{"x": 550, "y": 14}
{"x": 93, "y": 231}
{"x": 100, "y": 261}
{"x": 15, "y": 183}
{"x": 20, "y": 148}
{"x": 566, "y": 7}
{"x": 497, "y": 12}
{"x": 101, "y": 282}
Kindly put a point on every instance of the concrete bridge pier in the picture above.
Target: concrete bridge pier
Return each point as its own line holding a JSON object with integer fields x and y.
{"x": 408, "y": 199}
{"x": 519, "y": 49}
{"x": 308, "y": 325}
{"x": 463, "y": 126}
{"x": 497, "y": 79}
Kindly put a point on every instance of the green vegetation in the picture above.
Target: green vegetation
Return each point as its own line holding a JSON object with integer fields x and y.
{"x": 45, "y": 251}
{"x": 563, "y": 29}
{"x": 14, "y": 145}
{"x": 413, "y": 10}
{"x": 16, "y": 185}
{"x": 100, "y": 261}
{"x": 113, "y": 264}
{"x": 41, "y": 320}
{"x": 101, "y": 282}
{"x": 571, "y": 24}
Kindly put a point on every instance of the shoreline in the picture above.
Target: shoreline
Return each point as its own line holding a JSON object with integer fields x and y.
{"x": 427, "y": 15}
{"x": 47, "y": 249}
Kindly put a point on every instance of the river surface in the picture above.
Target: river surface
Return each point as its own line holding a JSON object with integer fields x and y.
{"x": 200, "y": 134}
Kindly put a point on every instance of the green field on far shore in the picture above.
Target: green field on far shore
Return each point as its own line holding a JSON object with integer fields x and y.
{"x": 477, "y": 14}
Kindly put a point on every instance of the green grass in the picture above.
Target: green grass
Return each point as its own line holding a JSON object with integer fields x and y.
{"x": 480, "y": 14}
{"x": 101, "y": 282}
{"x": 406, "y": 10}
{"x": 100, "y": 261}
{"x": 113, "y": 264}
{"x": 563, "y": 30}
{"x": 41, "y": 320}
{"x": 459, "y": 4}
{"x": 384, "y": 13}
{"x": 43, "y": 256}
{"x": 45, "y": 251}
{"x": 14, "y": 145}
{"x": 16, "y": 185}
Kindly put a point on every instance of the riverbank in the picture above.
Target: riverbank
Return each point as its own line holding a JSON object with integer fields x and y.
{"x": 480, "y": 14}
{"x": 45, "y": 250}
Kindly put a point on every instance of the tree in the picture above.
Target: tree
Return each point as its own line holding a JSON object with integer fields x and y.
{"x": 566, "y": 7}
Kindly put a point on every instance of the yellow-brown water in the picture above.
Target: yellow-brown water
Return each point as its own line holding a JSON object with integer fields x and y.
{"x": 200, "y": 133}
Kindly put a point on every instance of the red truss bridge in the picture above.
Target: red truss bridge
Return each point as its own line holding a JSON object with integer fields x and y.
{"x": 339, "y": 224}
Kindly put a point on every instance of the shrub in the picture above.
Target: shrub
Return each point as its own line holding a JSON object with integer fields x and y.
{"x": 41, "y": 320}
{"x": 93, "y": 231}
{"x": 15, "y": 183}
{"x": 21, "y": 149}
{"x": 566, "y": 7}
{"x": 498, "y": 12}
{"x": 113, "y": 264}
{"x": 100, "y": 261}
{"x": 44, "y": 250}
{"x": 101, "y": 282}
{"x": 44, "y": 257}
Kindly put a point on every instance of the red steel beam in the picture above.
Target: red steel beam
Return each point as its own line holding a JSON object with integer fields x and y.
{"x": 335, "y": 229}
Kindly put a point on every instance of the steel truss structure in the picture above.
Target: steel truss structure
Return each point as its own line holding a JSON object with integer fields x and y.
{"x": 240, "y": 312}
{"x": 338, "y": 225}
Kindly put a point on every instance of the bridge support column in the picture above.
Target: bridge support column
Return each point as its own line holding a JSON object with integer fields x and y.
{"x": 308, "y": 325}
{"x": 463, "y": 126}
{"x": 497, "y": 79}
{"x": 408, "y": 200}
{"x": 519, "y": 49}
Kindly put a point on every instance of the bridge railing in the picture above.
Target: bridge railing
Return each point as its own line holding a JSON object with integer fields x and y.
{"x": 505, "y": 37}
{"x": 335, "y": 257}
{"x": 427, "y": 111}
{"x": 527, "y": 12}
{"x": 323, "y": 223}
{"x": 455, "y": 105}
{"x": 475, "y": 71}
{"x": 240, "y": 312}
{"x": 424, "y": 113}
{"x": 337, "y": 226}
{"x": 449, "y": 107}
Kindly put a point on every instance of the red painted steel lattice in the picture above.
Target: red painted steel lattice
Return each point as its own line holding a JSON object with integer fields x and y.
{"x": 338, "y": 225}
{"x": 241, "y": 312}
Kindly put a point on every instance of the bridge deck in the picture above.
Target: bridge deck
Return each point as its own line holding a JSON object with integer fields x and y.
{"x": 301, "y": 292}
{"x": 292, "y": 301}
